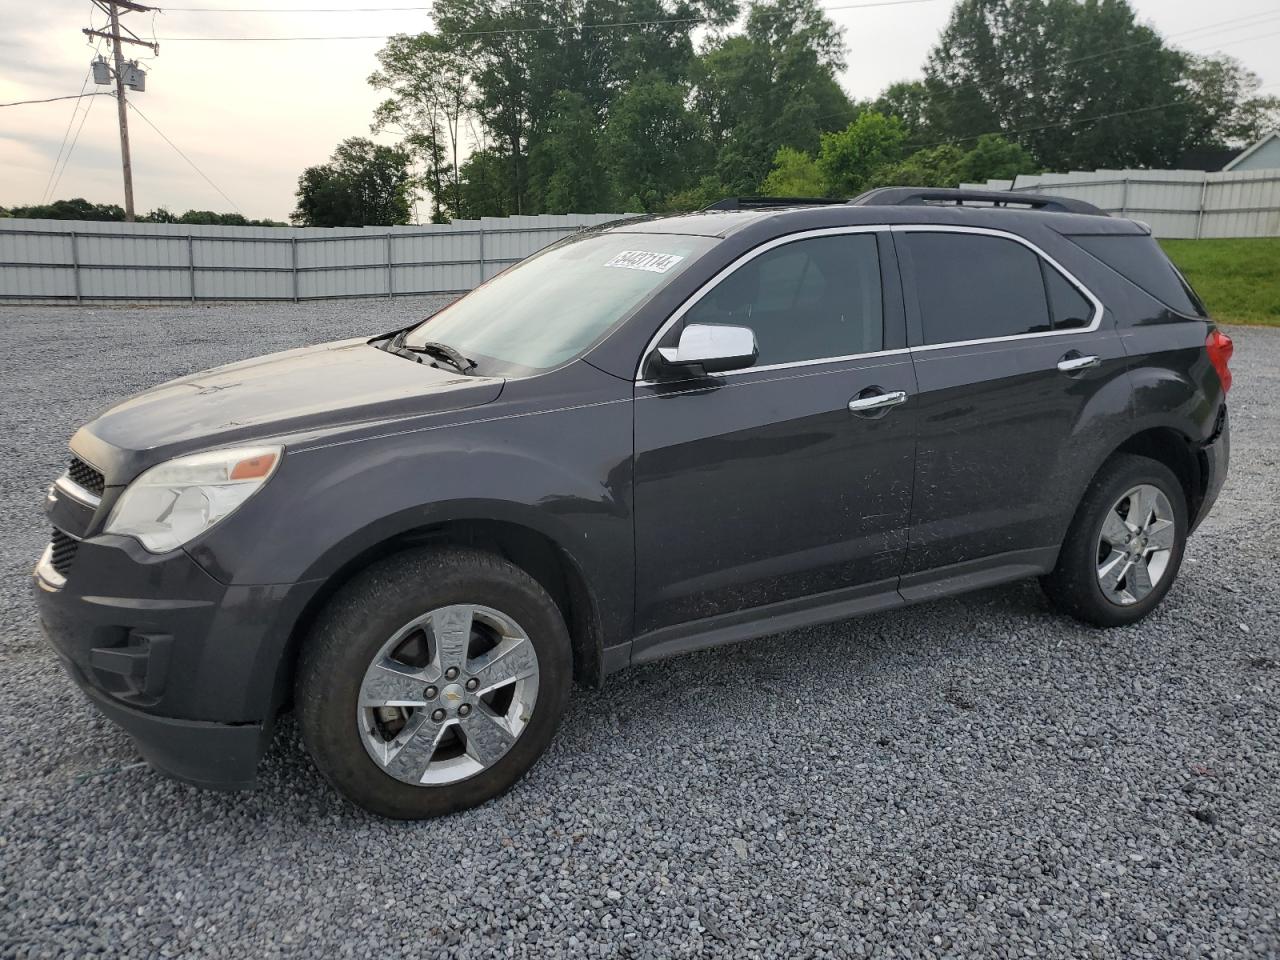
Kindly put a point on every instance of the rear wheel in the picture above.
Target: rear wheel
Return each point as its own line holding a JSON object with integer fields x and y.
{"x": 1124, "y": 547}
{"x": 432, "y": 682}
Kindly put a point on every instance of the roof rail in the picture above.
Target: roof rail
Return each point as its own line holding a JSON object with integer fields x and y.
{"x": 919, "y": 196}
{"x": 762, "y": 203}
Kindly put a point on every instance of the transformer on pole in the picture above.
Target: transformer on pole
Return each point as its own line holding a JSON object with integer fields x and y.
{"x": 124, "y": 74}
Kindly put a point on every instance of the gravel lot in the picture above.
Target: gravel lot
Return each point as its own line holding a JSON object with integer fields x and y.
{"x": 971, "y": 777}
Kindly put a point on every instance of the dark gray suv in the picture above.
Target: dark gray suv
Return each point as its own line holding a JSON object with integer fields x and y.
{"x": 653, "y": 437}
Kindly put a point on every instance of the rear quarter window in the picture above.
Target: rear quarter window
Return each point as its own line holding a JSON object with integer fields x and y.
{"x": 1139, "y": 259}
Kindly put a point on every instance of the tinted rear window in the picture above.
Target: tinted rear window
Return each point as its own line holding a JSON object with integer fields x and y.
{"x": 1140, "y": 260}
{"x": 974, "y": 287}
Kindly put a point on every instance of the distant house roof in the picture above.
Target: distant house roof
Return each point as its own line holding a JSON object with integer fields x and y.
{"x": 1208, "y": 159}
{"x": 1259, "y": 156}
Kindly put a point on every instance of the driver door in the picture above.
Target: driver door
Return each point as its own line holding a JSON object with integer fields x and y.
{"x": 761, "y": 486}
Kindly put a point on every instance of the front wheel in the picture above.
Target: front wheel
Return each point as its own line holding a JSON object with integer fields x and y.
{"x": 432, "y": 682}
{"x": 1124, "y": 547}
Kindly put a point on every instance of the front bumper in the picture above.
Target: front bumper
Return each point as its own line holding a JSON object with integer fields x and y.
{"x": 192, "y": 669}
{"x": 220, "y": 756}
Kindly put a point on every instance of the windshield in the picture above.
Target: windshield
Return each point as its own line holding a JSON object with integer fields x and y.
{"x": 550, "y": 308}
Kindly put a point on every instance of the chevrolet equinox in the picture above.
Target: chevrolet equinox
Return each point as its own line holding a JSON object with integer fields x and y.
{"x": 652, "y": 437}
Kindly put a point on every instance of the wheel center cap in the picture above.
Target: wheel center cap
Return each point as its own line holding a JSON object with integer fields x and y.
{"x": 453, "y": 694}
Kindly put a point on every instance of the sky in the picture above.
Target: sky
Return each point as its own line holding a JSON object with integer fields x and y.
{"x": 251, "y": 115}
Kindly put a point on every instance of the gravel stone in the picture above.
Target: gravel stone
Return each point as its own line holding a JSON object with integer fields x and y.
{"x": 977, "y": 776}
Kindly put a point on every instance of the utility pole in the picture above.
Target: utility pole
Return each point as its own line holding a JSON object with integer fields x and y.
{"x": 125, "y": 75}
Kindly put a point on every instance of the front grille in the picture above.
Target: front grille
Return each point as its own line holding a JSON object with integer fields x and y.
{"x": 64, "y": 551}
{"x": 87, "y": 477}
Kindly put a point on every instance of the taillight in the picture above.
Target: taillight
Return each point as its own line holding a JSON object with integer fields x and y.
{"x": 1220, "y": 347}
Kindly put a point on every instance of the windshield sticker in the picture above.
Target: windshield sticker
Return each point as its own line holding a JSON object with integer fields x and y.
{"x": 644, "y": 260}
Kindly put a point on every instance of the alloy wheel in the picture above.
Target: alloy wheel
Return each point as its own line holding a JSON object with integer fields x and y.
{"x": 448, "y": 695}
{"x": 1135, "y": 544}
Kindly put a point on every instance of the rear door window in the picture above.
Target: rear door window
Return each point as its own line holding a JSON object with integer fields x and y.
{"x": 976, "y": 287}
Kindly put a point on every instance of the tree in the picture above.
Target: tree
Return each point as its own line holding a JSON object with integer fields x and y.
{"x": 702, "y": 194}
{"x": 1078, "y": 84}
{"x": 794, "y": 174}
{"x": 931, "y": 167}
{"x": 522, "y": 55}
{"x": 484, "y": 185}
{"x": 772, "y": 86}
{"x": 566, "y": 170}
{"x": 994, "y": 158}
{"x": 363, "y": 184}
{"x": 654, "y": 145}
{"x": 77, "y": 209}
{"x": 948, "y": 165}
{"x": 1230, "y": 112}
{"x": 209, "y": 217}
{"x": 159, "y": 215}
{"x": 850, "y": 157}
{"x": 164, "y": 215}
{"x": 908, "y": 100}
{"x": 431, "y": 96}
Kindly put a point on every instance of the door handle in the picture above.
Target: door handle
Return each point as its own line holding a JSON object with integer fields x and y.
{"x": 877, "y": 401}
{"x": 1074, "y": 363}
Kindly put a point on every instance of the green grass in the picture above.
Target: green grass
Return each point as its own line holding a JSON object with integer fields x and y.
{"x": 1239, "y": 280}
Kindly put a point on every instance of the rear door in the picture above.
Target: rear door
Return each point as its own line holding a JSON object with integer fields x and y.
{"x": 761, "y": 486}
{"x": 1011, "y": 355}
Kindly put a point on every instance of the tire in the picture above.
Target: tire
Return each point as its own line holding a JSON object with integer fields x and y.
{"x": 370, "y": 621}
{"x": 1076, "y": 584}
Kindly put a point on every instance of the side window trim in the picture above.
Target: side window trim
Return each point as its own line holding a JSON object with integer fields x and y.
{"x": 750, "y": 255}
{"x": 914, "y": 327}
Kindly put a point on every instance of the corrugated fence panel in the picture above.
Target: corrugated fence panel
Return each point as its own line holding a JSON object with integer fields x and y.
{"x": 38, "y": 283}
{"x": 35, "y": 248}
{"x": 46, "y": 259}
{"x": 1242, "y": 204}
{"x": 53, "y": 259}
{"x": 140, "y": 283}
{"x": 1174, "y": 203}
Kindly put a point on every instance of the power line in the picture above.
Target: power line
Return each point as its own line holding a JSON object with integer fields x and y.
{"x": 73, "y": 96}
{"x": 70, "y": 150}
{"x": 169, "y": 9}
{"x": 66, "y": 133}
{"x": 1257, "y": 18}
{"x": 191, "y": 162}
{"x": 1186, "y": 101}
{"x": 412, "y": 9}
{"x": 951, "y": 92}
{"x": 54, "y": 176}
{"x": 550, "y": 28}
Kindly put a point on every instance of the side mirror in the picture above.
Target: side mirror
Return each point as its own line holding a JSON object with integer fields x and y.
{"x": 713, "y": 347}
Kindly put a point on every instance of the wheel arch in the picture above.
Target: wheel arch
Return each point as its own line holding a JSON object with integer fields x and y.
{"x": 533, "y": 550}
{"x": 1177, "y": 451}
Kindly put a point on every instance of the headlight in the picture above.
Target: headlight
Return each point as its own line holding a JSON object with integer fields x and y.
{"x": 175, "y": 501}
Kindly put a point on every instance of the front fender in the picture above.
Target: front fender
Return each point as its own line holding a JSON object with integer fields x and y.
{"x": 564, "y": 473}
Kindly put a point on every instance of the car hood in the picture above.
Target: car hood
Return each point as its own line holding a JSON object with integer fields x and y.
{"x": 296, "y": 391}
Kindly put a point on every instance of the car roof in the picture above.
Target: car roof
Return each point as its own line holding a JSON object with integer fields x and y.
{"x": 781, "y": 220}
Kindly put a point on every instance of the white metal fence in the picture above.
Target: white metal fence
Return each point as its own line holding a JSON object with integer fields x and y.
{"x": 85, "y": 260}
{"x": 1176, "y": 203}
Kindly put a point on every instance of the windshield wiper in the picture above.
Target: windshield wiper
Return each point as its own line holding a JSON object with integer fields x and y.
{"x": 442, "y": 351}
{"x": 432, "y": 348}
